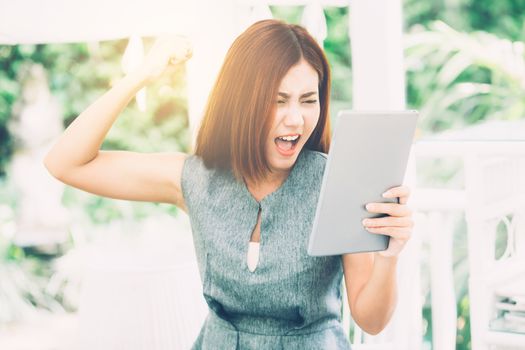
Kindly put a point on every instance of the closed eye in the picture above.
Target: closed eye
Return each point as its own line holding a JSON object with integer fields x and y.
{"x": 307, "y": 101}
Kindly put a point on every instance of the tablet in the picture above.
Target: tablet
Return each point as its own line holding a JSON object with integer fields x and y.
{"x": 368, "y": 155}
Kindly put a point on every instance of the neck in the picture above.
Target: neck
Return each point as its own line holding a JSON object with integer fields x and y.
{"x": 271, "y": 179}
{"x": 266, "y": 186}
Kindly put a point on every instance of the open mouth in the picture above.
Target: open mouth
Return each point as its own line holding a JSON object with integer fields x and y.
{"x": 286, "y": 144}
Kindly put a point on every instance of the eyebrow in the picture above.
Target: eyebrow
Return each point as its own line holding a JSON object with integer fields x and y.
{"x": 308, "y": 94}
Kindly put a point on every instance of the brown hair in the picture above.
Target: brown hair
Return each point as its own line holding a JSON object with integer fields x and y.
{"x": 237, "y": 119}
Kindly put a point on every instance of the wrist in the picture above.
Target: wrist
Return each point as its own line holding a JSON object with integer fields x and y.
{"x": 137, "y": 79}
{"x": 385, "y": 259}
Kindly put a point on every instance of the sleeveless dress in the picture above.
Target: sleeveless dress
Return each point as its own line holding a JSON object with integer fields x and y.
{"x": 291, "y": 300}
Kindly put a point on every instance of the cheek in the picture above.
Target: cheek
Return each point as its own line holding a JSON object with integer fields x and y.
{"x": 277, "y": 117}
{"x": 312, "y": 120}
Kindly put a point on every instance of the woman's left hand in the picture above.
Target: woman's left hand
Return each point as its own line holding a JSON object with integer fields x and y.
{"x": 398, "y": 224}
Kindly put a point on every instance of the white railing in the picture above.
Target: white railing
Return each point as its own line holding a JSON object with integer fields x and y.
{"x": 494, "y": 187}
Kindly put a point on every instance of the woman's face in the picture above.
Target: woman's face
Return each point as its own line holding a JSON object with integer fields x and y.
{"x": 296, "y": 115}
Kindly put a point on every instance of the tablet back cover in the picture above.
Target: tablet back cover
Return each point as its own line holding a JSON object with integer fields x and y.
{"x": 368, "y": 155}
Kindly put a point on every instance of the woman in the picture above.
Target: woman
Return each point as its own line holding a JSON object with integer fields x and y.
{"x": 250, "y": 190}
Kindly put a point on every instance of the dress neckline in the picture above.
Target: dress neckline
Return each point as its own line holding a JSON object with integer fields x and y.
{"x": 279, "y": 189}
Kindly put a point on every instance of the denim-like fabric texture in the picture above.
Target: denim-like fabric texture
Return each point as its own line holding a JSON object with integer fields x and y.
{"x": 292, "y": 300}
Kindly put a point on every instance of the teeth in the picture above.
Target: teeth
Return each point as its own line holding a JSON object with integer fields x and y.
{"x": 289, "y": 138}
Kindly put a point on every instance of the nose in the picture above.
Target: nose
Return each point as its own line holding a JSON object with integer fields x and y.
{"x": 294, "y": 116}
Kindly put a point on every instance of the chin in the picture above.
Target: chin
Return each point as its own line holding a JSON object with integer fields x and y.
{"x": 280, "y": 163}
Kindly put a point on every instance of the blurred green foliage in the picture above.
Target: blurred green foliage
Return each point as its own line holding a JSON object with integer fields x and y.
{"x": 78, "y": 74}
{"x": 458, "y": 79}
{"x": 465, "y": 61}
{"x": 504, "y": 18}
{"x": 23, "y": 277}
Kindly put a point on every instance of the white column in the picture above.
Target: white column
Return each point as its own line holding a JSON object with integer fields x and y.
{"x": 377, "y": 54}
{"x": 480, "y": 249}
{"x": 444, "y": 314}
{"x": 211, "y": 38}
{"x": 314, "y": 21}
{"x": 379, "y": 84}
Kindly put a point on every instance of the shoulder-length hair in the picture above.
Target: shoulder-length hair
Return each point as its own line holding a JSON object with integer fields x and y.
{"x": 238, "y": 114}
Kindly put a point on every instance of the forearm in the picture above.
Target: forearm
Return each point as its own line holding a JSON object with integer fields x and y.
{"x": 376, "y": 302}
{"x": 81, "y": 141}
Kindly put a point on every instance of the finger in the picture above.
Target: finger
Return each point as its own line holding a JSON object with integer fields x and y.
{"x": 392, "y": 209}
{"x": 186, "y": 49}
{"x": 189, "y": 53}
{"x": 181, "y": 56}
{"x": 179, "y": 48}
{"x": 400, "y": 191}
{"x": 178, "y": 60}
{"x": 399, "y": 233}
{"x": 388, "y": 221}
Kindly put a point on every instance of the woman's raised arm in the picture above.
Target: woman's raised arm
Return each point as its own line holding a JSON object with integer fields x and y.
{"x": 76, "y": 158}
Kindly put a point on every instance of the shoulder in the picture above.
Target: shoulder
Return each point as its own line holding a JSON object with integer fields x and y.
{"x": 193, "y": 163}
{"x": 311, "y": 165}
{"x": 319, "y": 156}
{"x": 315, "y": 160}
{"x": 196, "y": 169}
{"x": 200, "y": 182}
{"x": 195, "y": 177}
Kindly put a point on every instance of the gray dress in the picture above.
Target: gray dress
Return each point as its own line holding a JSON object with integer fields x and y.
{"x": 292, "y": 300}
